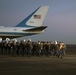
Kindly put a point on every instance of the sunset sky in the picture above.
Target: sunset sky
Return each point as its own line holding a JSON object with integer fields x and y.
{"x": 60, "y": 19}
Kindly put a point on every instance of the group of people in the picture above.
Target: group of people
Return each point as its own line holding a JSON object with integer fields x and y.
{"x": 31, "y": 48}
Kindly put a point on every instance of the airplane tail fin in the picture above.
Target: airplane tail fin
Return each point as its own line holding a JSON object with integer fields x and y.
{"x": 35, "y": 19}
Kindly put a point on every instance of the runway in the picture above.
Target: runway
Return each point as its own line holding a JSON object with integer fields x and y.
{"x": 52, "y": 65}
{"x": 43, "y": 65}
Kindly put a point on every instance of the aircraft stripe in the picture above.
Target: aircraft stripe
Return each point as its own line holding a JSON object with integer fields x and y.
{"x": 23, "y": 23}
{"x": 15, "y": 34}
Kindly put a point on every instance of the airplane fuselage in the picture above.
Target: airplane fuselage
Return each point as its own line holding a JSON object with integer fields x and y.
{"x": 13, "y": 32}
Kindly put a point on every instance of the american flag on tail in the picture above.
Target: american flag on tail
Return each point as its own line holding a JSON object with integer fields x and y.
{"x": 37, "y": 16}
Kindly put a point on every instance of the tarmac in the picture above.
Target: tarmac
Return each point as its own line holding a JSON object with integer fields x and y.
{"x": 43, "y": 65}
{"x": 52, "y": 65}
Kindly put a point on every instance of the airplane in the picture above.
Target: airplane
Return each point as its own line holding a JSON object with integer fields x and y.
{"x": 31, "y": 25}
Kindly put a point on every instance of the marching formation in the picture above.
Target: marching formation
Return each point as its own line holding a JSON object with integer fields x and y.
{"x": 30, "y": 48}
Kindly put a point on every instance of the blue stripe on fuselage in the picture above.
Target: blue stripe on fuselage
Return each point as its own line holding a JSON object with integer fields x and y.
{"x": 15, "y": 34}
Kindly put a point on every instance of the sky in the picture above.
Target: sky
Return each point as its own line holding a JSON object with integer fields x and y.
{"x": 60, "y": 18}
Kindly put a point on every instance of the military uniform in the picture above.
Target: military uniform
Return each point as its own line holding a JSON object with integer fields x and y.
{"x": 29, "y": 48}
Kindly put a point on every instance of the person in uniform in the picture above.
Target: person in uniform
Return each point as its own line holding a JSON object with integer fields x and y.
{"x": 56, "y": 47}
{"x": 9, "y": 47}
{"x": 64, "y": 48}
{"x": 18, "y": 48}
{"x": 35, "y": 48}
{"x": 29, "y": 47}
{"x": 23, "y": 47}
{"x": 60, "y": 50}
{"x": 6, "y": 45}
{"x": 14, "y": 45}
{"x": 48, "y": 48}
{"x": 1, "y": 46}
{"x": 39, "y": 48}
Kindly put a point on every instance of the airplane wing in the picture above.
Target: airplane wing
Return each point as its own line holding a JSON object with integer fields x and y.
{"x": 36, "y": 29}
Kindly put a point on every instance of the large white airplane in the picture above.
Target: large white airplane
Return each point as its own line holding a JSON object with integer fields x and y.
{"x": 29, "y": 26}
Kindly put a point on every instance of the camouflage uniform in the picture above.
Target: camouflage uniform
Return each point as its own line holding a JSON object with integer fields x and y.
{"x": 47, "y": 49}
{"x": 29, "y": 48}
{"x": 39, "y": 49}
{"x": 14, "y": 45}
{"x": 9, "y": 47}
{"x": 23, "y": 48}
{"x": 56, "y": 46}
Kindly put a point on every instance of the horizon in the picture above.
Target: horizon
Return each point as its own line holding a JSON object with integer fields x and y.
{"x": 60, "y": 18}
